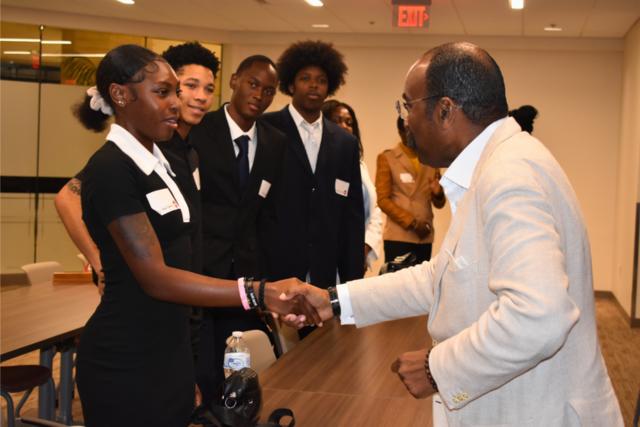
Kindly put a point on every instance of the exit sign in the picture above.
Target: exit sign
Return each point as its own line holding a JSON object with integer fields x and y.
{"x": 411, "y": 13}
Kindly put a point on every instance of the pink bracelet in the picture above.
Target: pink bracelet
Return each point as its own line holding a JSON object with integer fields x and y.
{"x": 243, "y": 294}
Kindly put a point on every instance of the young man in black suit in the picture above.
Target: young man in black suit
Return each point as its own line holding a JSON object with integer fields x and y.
{"x": 240, "y": 164}
{"x": 320, "y": 231}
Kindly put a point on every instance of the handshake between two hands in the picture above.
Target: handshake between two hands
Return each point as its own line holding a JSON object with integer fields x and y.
{"x": 297, "y": 303}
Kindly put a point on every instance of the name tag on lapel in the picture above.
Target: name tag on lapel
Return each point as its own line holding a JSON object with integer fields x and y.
{"x": 196, "y": 178}
{"x": 265, "y": 186}
{"x": 162, "y": 201}
{"x": 406, "y": 178}
{"x": 342, "y": 187}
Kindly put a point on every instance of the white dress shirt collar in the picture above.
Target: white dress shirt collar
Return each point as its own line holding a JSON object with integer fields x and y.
{"x": 149, "y": 162}
{"x": 310, "y": 134}
{"x": 237, "y": 132}
{"x": 298, "y": 119}
{"x": 235, "y": 129}
{"x": 457, "y": 178}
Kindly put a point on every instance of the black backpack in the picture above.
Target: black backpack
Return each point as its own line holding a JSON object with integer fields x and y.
{"x": 239, "y": 404}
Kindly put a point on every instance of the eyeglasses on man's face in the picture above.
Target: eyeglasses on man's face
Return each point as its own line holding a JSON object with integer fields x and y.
{"x": 403, "y": 107}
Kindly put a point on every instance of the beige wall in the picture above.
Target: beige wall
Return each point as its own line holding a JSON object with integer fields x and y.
{"x": 628, "y": 173}
{"x": 575, "y": 83}
{"x": 577, "y": 91}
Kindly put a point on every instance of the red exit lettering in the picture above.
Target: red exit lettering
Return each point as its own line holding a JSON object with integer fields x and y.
{"x": 412, "y": 16}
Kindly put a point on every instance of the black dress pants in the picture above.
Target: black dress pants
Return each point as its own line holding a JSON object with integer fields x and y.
{"x": 394, "y": 248}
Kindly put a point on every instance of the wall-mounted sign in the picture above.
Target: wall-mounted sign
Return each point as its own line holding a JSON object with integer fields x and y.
{"x": 411, "y": 13}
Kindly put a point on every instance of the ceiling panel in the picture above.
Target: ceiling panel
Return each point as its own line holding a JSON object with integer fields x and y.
{"x": 362, "y": 16}
{"x": 578, "y": 18}
{"x": 444, "y": 19}
{"x": 611, "y": 18}
{"x": 489, "y": 17}
{"x": 570, "y": 15}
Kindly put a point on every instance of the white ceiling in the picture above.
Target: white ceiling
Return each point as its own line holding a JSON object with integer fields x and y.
{"x": 578, "y": 18}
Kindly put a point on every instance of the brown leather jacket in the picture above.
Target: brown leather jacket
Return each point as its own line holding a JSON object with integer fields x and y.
{"x": 404, "y": 194}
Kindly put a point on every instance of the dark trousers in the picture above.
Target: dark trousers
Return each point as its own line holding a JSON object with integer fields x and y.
{"x": 218, "y": 324}
{"x": 393, "y": 249}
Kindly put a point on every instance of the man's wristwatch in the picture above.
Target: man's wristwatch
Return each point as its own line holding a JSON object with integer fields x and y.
{"x": 333, "y": 299}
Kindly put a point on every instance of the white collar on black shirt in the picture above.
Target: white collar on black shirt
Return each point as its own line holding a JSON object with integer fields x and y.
{"x": 142, "y": 157}
{"x": 149, "y": 162}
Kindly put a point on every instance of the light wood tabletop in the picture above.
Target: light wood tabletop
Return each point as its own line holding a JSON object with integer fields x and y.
{"x": 341, "y": 376}
{"x": 34, "y": 317}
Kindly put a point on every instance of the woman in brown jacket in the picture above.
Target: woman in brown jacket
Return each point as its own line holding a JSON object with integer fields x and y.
{"x": 406, "y": 190}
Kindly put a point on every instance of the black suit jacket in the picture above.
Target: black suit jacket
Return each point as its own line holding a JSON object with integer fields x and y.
{"x": 235, "y": 223}
{"x": 318, "y": 230}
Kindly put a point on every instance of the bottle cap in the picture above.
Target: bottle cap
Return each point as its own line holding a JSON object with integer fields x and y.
{"x": 237, "y": 334}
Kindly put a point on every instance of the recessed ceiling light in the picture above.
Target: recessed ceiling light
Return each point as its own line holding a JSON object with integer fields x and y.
{"x": 552, "y": 27}
{"x": 517, "y": 4}
{"x": 127, "y": 2}
{"x": 320, "y": 25}
{"x": 73, "y": 55}
{"x": 315, "y": 3}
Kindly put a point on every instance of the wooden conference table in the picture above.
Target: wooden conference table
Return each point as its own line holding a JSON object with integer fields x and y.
{"x": 340, "y": 376}
{"x": 40, "y": 317}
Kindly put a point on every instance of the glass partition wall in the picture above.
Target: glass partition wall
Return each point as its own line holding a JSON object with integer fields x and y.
{"x": 44, "y": 72}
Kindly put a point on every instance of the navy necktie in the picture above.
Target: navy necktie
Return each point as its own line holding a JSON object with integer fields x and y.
{"x": 243, "y": 159}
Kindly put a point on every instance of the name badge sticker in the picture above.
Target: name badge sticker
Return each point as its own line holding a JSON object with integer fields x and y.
{"x": 405, "y": 177}
{"x": 196, "y": 178}
{"x": 162, "y": 201}
{"x": 265, "y": 186}
{"x": 342, "y": 187}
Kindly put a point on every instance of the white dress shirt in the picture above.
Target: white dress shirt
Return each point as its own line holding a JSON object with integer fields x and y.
{"x": 310, "y": 133}
{"x": 455, "y": 182}
{"x": 236, "y": 132}
{"x": 457, "y": 179}
{"x": 373, "y": 216}
{"x": 149, "y": 162}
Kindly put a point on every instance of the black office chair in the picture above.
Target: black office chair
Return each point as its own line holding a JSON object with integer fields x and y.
{"x": 22, "y": 378}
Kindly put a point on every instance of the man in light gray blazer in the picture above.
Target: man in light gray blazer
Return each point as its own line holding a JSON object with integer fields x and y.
{"x": 510, "y": 294}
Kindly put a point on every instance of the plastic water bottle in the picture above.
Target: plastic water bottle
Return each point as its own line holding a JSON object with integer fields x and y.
{"x": 236, "y": 355}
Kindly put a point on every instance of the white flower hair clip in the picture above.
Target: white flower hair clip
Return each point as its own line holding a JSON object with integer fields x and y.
{"x": 97, "y": 102}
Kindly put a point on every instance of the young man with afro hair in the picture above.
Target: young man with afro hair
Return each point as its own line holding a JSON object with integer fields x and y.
{"x": 319, "y": 236}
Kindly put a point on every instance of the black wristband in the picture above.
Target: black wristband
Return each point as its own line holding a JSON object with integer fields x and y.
{"x": 428, "y": 371}
{"x": 335, "y": 302}
{"x": 261, "y": 303}
{"x": 251, "y": 294}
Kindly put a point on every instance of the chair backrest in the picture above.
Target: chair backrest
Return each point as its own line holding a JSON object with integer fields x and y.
{"x": 40, "y": 272}
{"x": 262, "y": 355}
{"x": 84, "y": 261}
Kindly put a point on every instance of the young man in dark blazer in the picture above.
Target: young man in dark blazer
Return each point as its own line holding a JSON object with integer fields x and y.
{"x": 320, "y": 231}
{"x": 238, "y": 178}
